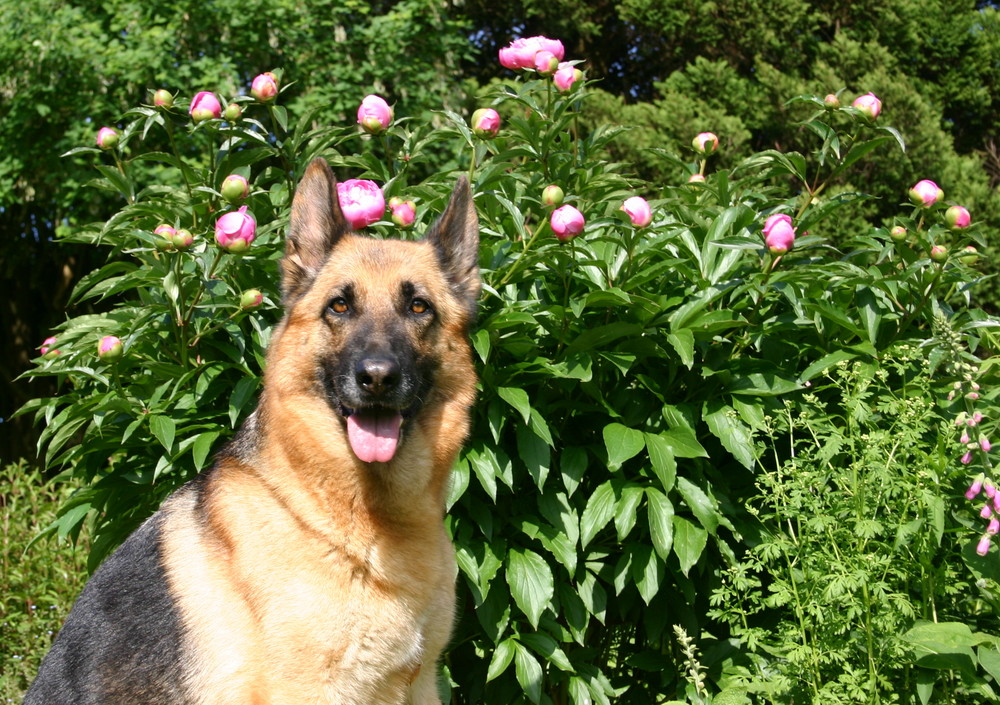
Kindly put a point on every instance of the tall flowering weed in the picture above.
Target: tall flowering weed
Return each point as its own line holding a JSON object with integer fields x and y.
{"x": 629, "y": 359}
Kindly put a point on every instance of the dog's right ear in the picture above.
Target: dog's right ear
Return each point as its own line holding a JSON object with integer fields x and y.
{"x": 317, "y": 223}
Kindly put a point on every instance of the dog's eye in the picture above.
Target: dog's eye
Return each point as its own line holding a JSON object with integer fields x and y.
{"x": 419, "y": 306}
{"x": 339, "y": 305}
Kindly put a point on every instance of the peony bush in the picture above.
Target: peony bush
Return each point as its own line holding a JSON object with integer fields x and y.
{"x": 699, "y": 421}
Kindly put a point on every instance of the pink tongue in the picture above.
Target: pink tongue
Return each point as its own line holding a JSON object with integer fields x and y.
{"x": 374, "y": 435}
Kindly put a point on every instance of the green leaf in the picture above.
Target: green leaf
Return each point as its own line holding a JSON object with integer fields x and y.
{"x": 989, "y": 659}
{"x": 544, "y": 645}
{"x": 647, "y": 571}
{"x": 626, "y": 509}
{"x": 202, "y": 446}
{"x": 531, "y": 583}
{"x": 598, "y": 512}
{"x": 164, "y": 429}
{"x": 682, "y": 341}
{"x": 517, "y": 398}
{"x": 735, "y": 436}
{"x": 943, "y": 645}
{"x": 689, "y": 542}
{"x": 242, "y": 394}
{"x": 699, "y": 503}
{"x": 661, "y": 457}
{"x": 535, "y": 454}
{"x": 503, "y": 654}
{"x": 660, "y": 513}
{"x": 529, "y": 673}
{"x": 622, "y": 443}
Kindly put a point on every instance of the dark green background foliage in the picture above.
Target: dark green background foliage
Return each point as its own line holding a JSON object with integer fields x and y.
{"x": 698, "y": 472}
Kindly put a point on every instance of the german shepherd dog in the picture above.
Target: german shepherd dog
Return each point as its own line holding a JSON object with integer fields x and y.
{"x": 310, "y": 564}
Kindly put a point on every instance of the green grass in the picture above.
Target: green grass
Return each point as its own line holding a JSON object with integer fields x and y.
{"x": 38, "y": 584}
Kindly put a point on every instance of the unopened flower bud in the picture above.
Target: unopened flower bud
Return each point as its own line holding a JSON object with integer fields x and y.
{"x": 235, "y": 230}
{"x": 984, "y": 444}
{"x": 205, "y": 106}
{"x": 235, "y": 188}
{"x": 967, "y": 458}
{"x": 182, "y": 240}
{"x": 779, "y": 235}
{"x": 251, "y": 298}
{"x": 164, "y": 241}
{"x": 566, "y": 76}
{"x": 993, "y": 527}
{"x": 485, "y": 123}
{"x": 109, "y": 348}
{"x": 869, "y": 105}
{"x": 925, "y": 193}
{"x": 374, "y": 115}
{"x": 696, "y": 179}
{"x": 831, "y": 101}
{"x": 898, "y": 233}
{"x": 957, "y": 217}
{"x": 264, "y": 87}
{"x": 567, "y": 222}
{"x": 638, "y": 211}
{"x": 163, "y": 98}
{"x": 939, "y": 253}
{"x": 983, "y": 547}
{"x": 47, "y": 348}
{"x": 546, "y": 63}
{"x": 233, "y": 112}
{"x": 975, "y": 488}
{"x": 986, "y": 512}
{"x": 403, "y": 213}
{"x": 107, "y": 138}
{"x": 705, "y": 142}
{"x": 552, "y": 195}
{"x": 969, "y": 255}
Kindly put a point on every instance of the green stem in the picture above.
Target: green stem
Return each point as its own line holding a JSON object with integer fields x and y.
{"x": 518, "y": 264}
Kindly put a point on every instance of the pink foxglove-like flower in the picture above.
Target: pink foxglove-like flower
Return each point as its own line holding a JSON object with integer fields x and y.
{"x": 983, "y": 547}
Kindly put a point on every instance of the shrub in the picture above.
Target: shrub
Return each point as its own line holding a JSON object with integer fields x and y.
{"x": 630, "y": 376}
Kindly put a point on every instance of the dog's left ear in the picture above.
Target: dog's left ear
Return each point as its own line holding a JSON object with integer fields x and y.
{"x": 455, "y": 236}
{"x": 317, "y": 223}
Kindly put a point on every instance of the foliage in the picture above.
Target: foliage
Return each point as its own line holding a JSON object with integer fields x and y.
{"x": 625, "y": 373}
{"x": 39, "y": 582}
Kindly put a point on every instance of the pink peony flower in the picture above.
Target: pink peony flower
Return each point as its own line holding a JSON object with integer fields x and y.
{"x": 235, "y": 188}
{"x": 403, "y": 212}
{"x": 566, "y": 75}
{"x": 485, "y": 123}
{"x": 264, "y": 87}
{"x": 546, "y": 63}
{"x": 868, "y": 104}
{"x": 552, "y": 195}
{"x": 374, "y": 115}
{"x": 705, "y": 142}
{"x": 983, "y": 547}
{"x": 109, "y": 348}
{"x": 638, "y": 211}
{"x": 107, "y": 138}
{"x": 47, "y": 349}
{"x": 779, "y": 235}
{"x": 567, "y": 222}
{"x": 926, "y": 193}
{"x": 205, "y": 106}
{"x": 361, "y": 201}
{"x": 957, "y": 217}
{"x": 235, "y": 230}
{"x": 520, "y": 53}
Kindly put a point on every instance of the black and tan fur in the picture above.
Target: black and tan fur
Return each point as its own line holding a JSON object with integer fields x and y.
{"x": 293, "y": 572}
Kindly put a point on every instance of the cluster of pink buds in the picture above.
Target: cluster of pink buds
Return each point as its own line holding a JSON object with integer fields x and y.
{"x": 990, "y": 509}
{"x": 543, "y": 55}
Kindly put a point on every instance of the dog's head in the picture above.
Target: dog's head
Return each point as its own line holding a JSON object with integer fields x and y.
{"x": 375, "y": 325}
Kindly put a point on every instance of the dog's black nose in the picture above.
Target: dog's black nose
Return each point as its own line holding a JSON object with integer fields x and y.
{"x": 377, "y": 376}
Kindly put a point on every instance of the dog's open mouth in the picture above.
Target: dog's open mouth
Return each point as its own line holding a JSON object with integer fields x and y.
{"x": 374, "y": 432}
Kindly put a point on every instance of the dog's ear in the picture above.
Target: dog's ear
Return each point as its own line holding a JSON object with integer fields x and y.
{"x": 317, "y": 223}
{"x": 455, "y": 236}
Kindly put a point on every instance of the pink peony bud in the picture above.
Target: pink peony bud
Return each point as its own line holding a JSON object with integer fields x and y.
{"x": 233, "y": 112}
{"x": 521, "y": 53}
{"x": 926, "y": 193}
{"x": 264, "y": 87}
{"x": 983, "y": 547}
{"x": 251, "y": 298}
{"x": 696, "y": 179}
{"x": 107, "y": 138}
{"x": 638, "y": 211}
{"x": 939, "y": 253}
{"x": 403, "y": 213}
{"x": 485, "y": 123}
{"x": 165, "y": 241}
{"x": 109, "y": 348}
{"x": 552, "y": 195}
{"x": 779, "y": 235}
{"x": 361, "y": 201}
{"x": 46, "y": 349}
{"x": 567, "y": 222}
{"x": 235, "y": 188}
{"x": 705, "y": 142}
{"x": 869, "y": 105}
{"x": 898, "y": 233}
{"x": 374, "y": 115}
{"x": 182, "y": 240}
{"x": 831, "y": 101}
{"x": 163, "y": 98}
{"x": 566, "y": 76}
{"x": 205, "y": 106}
{"x": 235, "y": 230}
{"x": 957, "y": 217}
